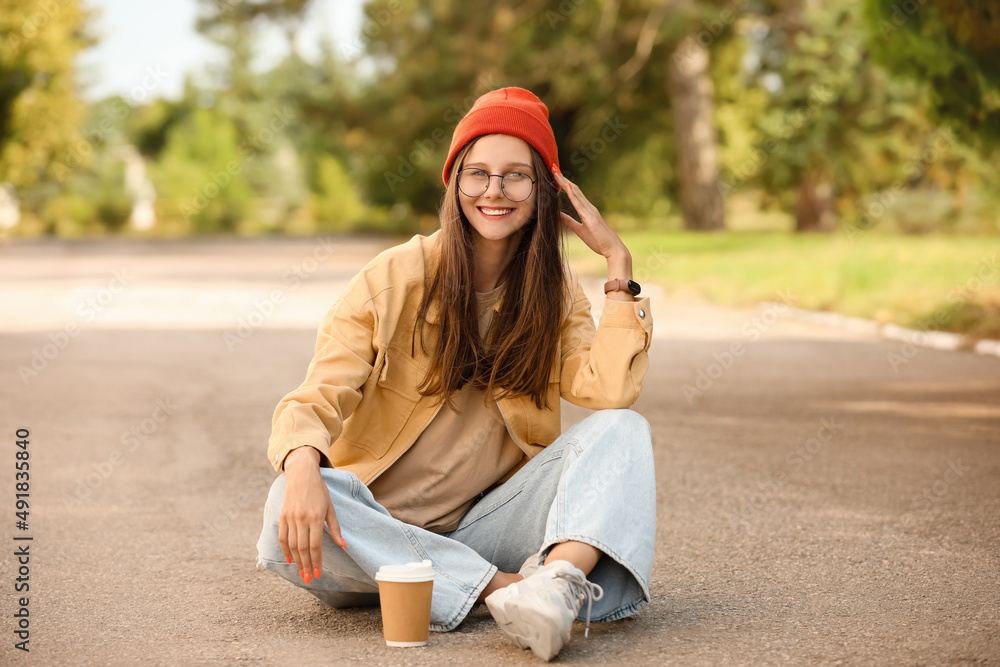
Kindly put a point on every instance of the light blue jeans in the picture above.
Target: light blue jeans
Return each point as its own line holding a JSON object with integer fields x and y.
{"x": 594, "y": 484}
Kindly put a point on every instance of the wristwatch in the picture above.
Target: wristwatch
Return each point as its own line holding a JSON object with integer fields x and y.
{"x": 622, "y": 285}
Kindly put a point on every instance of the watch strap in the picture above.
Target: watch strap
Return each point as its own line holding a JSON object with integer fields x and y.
{"x": 622, "y": 285}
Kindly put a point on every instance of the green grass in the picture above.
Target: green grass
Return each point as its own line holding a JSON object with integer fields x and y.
{"x": 925, "y": 282}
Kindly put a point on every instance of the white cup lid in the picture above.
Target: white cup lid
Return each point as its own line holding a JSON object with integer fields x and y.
{"x": 421, "y": 571}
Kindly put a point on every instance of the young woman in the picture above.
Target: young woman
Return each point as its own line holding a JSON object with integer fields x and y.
{"x": 428, "y": 423}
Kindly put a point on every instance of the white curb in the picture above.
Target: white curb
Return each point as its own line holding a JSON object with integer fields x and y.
{"x": 938, "y": 340}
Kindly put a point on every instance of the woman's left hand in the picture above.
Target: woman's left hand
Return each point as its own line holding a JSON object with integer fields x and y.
{"x": 591, "y": 228}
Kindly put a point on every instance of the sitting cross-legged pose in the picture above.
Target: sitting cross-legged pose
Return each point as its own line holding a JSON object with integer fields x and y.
{"x": 428, "y": 423}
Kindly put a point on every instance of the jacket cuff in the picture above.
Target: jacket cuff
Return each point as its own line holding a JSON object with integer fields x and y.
{"x": 279, "y": 455}
{"x": 627, "y": 314}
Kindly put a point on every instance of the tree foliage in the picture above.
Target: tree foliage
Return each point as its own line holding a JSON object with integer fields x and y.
{"x": 954, "y": 47}
{"x": 807, "y": 120}
{"x": 201, "y": 169}
{"x": 834, "y": 127}
{"x": 40, "y": 110}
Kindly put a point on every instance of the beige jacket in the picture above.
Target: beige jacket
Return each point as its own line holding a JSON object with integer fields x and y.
{"x": 359, "y": 404}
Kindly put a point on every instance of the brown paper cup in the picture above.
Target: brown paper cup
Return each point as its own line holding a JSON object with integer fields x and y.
{"x": 405, "y": 596}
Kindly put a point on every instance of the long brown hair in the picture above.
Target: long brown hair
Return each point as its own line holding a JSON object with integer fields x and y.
{"x": 523, "y": 338}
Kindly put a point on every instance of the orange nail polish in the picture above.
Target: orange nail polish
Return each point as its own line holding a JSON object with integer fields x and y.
{"x": 317, "y": 573}
{"x": 302, "y": 573}
{"x": 308, "y": 578}
{"x": 289, "y": 559}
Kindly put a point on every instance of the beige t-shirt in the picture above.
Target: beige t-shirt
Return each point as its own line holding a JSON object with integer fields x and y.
{"x": 460, "y": 454}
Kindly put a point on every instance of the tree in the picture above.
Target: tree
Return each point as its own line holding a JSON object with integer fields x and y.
{"x": 215, "y": 14}
{"x": 202, "y": 171}
{"x": 261, "y": 107}
{"x": 954, "y": 47}
{"x": 336, "y": 203}
{"x": 39, "y": 109}
{"x": 698, "y": 170}
{"x": 835, "y": 127}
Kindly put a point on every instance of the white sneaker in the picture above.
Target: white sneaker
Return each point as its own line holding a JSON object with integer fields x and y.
{"x": 538, "y": 612}
{"x": 531, "y": 565}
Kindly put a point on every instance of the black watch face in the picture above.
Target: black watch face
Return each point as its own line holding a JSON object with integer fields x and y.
{"x": 634, "y": 288}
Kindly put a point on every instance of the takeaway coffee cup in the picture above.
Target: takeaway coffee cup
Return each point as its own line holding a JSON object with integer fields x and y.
{"x": 405, "y": 595}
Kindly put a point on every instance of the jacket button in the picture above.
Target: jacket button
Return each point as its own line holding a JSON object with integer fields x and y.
{"x": 642, "y": 313}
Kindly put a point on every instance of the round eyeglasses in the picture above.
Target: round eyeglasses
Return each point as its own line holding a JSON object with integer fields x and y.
{"x": 515, "y": 185}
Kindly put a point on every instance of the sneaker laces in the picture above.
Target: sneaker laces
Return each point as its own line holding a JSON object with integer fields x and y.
{"x": 579, "y": 587}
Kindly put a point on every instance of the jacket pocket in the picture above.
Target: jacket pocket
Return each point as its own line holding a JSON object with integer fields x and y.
{"x": 400, "y": 374}
{"x": 387, "y": 401}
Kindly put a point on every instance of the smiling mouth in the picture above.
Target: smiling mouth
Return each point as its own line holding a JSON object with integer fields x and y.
{"x": 494, "y": 212}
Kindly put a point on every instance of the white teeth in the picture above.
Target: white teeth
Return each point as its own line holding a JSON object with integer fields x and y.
{"x": 496, "y": 211}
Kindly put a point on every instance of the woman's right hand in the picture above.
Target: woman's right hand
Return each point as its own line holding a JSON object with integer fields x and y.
{"x": 305, "y": 508}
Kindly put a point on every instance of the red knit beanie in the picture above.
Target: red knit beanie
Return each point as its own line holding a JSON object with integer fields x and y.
{"x": 513, "y": 111}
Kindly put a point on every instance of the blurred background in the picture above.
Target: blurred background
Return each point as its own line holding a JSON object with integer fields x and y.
{"x": 847, "y": 150}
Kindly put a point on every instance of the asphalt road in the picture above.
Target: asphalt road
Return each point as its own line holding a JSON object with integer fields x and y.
{"x": 818, "y": 503}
